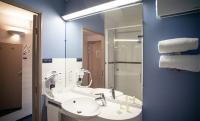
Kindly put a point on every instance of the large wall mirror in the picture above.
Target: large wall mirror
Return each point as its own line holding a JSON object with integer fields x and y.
{"x": 110, "y": 46}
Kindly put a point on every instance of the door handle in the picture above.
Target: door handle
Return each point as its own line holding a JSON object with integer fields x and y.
{"x": 19, "y": 73}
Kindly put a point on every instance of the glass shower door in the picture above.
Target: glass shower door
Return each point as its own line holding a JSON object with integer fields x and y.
{"x": 125, "y": 60}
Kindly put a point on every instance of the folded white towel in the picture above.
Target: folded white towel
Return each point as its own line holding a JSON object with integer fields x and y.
{"x": 177, "y": 45}
{"x": 182, "y": 62}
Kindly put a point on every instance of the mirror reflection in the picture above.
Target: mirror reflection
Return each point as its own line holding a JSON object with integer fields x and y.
{"x": 108, "y": 51}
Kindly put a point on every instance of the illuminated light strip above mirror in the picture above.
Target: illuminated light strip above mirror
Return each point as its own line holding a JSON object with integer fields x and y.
{"x": 98, "y": 9}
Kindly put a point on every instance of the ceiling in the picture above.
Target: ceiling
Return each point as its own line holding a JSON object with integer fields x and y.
{"x": 14, "y": 16}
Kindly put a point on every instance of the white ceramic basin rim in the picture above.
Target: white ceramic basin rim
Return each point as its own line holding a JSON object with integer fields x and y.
{"x": 81, "y": 107}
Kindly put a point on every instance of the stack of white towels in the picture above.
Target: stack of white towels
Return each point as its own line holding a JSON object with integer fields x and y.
{"x": 175, "y": 60}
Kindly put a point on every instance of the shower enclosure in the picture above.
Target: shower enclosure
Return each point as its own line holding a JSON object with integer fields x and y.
{"x": 124, "y": 59}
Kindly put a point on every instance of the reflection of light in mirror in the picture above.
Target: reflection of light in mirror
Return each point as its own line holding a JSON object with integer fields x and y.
{"x": 99, "y": 8}
{"x": 15, "y": 37}
{"x": 126, "y": 40}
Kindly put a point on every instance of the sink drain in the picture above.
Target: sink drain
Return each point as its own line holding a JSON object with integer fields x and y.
{"x": 79, "y": 111}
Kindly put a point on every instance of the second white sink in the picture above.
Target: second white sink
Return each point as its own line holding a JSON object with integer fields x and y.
{"x": 112, "y": 112}
{"x": 81, "y": 108}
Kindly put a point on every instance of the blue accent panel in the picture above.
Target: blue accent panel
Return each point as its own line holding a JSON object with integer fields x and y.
{"x": 47, "y": 60}
{"x": 74, "y": 34}
{"x": 74, "y": 40}
{"x": 168, "y": 95}
{"x": 53, "y": 27}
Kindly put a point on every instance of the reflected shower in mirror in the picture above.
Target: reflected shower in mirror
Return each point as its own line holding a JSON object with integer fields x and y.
{"x": 110, "y": 46}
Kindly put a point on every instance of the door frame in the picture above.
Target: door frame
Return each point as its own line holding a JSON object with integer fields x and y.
{"x": 37, "y": 63}
{"x": 85, "y": 53}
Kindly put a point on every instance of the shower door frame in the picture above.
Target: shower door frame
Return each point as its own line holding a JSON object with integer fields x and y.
{"x": 36, "y": 59}
{"x": 106, "y": 54}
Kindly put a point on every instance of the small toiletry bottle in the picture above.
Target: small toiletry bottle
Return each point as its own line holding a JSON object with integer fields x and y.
{"x": 120, "y": 108}
{"x": 127, "y": 103}
{"x": 134, "y": 100}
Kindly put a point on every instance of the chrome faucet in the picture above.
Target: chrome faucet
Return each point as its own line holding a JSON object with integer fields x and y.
{"x": 101, "y": 98}
{"x": 113, "y": 92}
{"x": 51, "y": 80}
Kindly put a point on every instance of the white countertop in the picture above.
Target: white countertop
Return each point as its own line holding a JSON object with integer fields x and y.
{"x": 111, "y": 111}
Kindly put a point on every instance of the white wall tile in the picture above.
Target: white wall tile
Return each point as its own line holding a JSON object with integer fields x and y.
{"x": 67, "y": 67}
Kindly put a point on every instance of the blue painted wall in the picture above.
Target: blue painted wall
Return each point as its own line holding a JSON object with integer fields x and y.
{"x": 76, "y": 5}
{"x": 53, "y": 27}
{"x": 168, "y": 95}
{"x": 74, "y": 35}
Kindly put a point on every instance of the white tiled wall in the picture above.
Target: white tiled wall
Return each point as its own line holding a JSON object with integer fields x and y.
{"x": 67, "y": 69}
{"x": 58, "y": 65}
{"x": 72, "y": 67}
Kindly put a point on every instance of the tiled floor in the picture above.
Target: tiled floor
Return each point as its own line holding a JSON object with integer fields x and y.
{"x": 5, "y": 112}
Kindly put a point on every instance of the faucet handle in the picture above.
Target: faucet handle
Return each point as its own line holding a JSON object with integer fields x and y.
{"x": 102, "y": 98}
{"x": 52, "y": 86}
{"x": 53, "y": 72}
{"x": 113, "y": 93}
{"x": 98, "y": 93}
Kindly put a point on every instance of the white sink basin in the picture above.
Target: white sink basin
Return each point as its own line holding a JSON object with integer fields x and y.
{"x": 107, "y": 92}
{"x": 81, "y": 108}
{"x": 83, "y": 90}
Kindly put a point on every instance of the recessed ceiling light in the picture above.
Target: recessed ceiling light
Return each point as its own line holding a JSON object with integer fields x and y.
{"x": 16, "y": 32}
